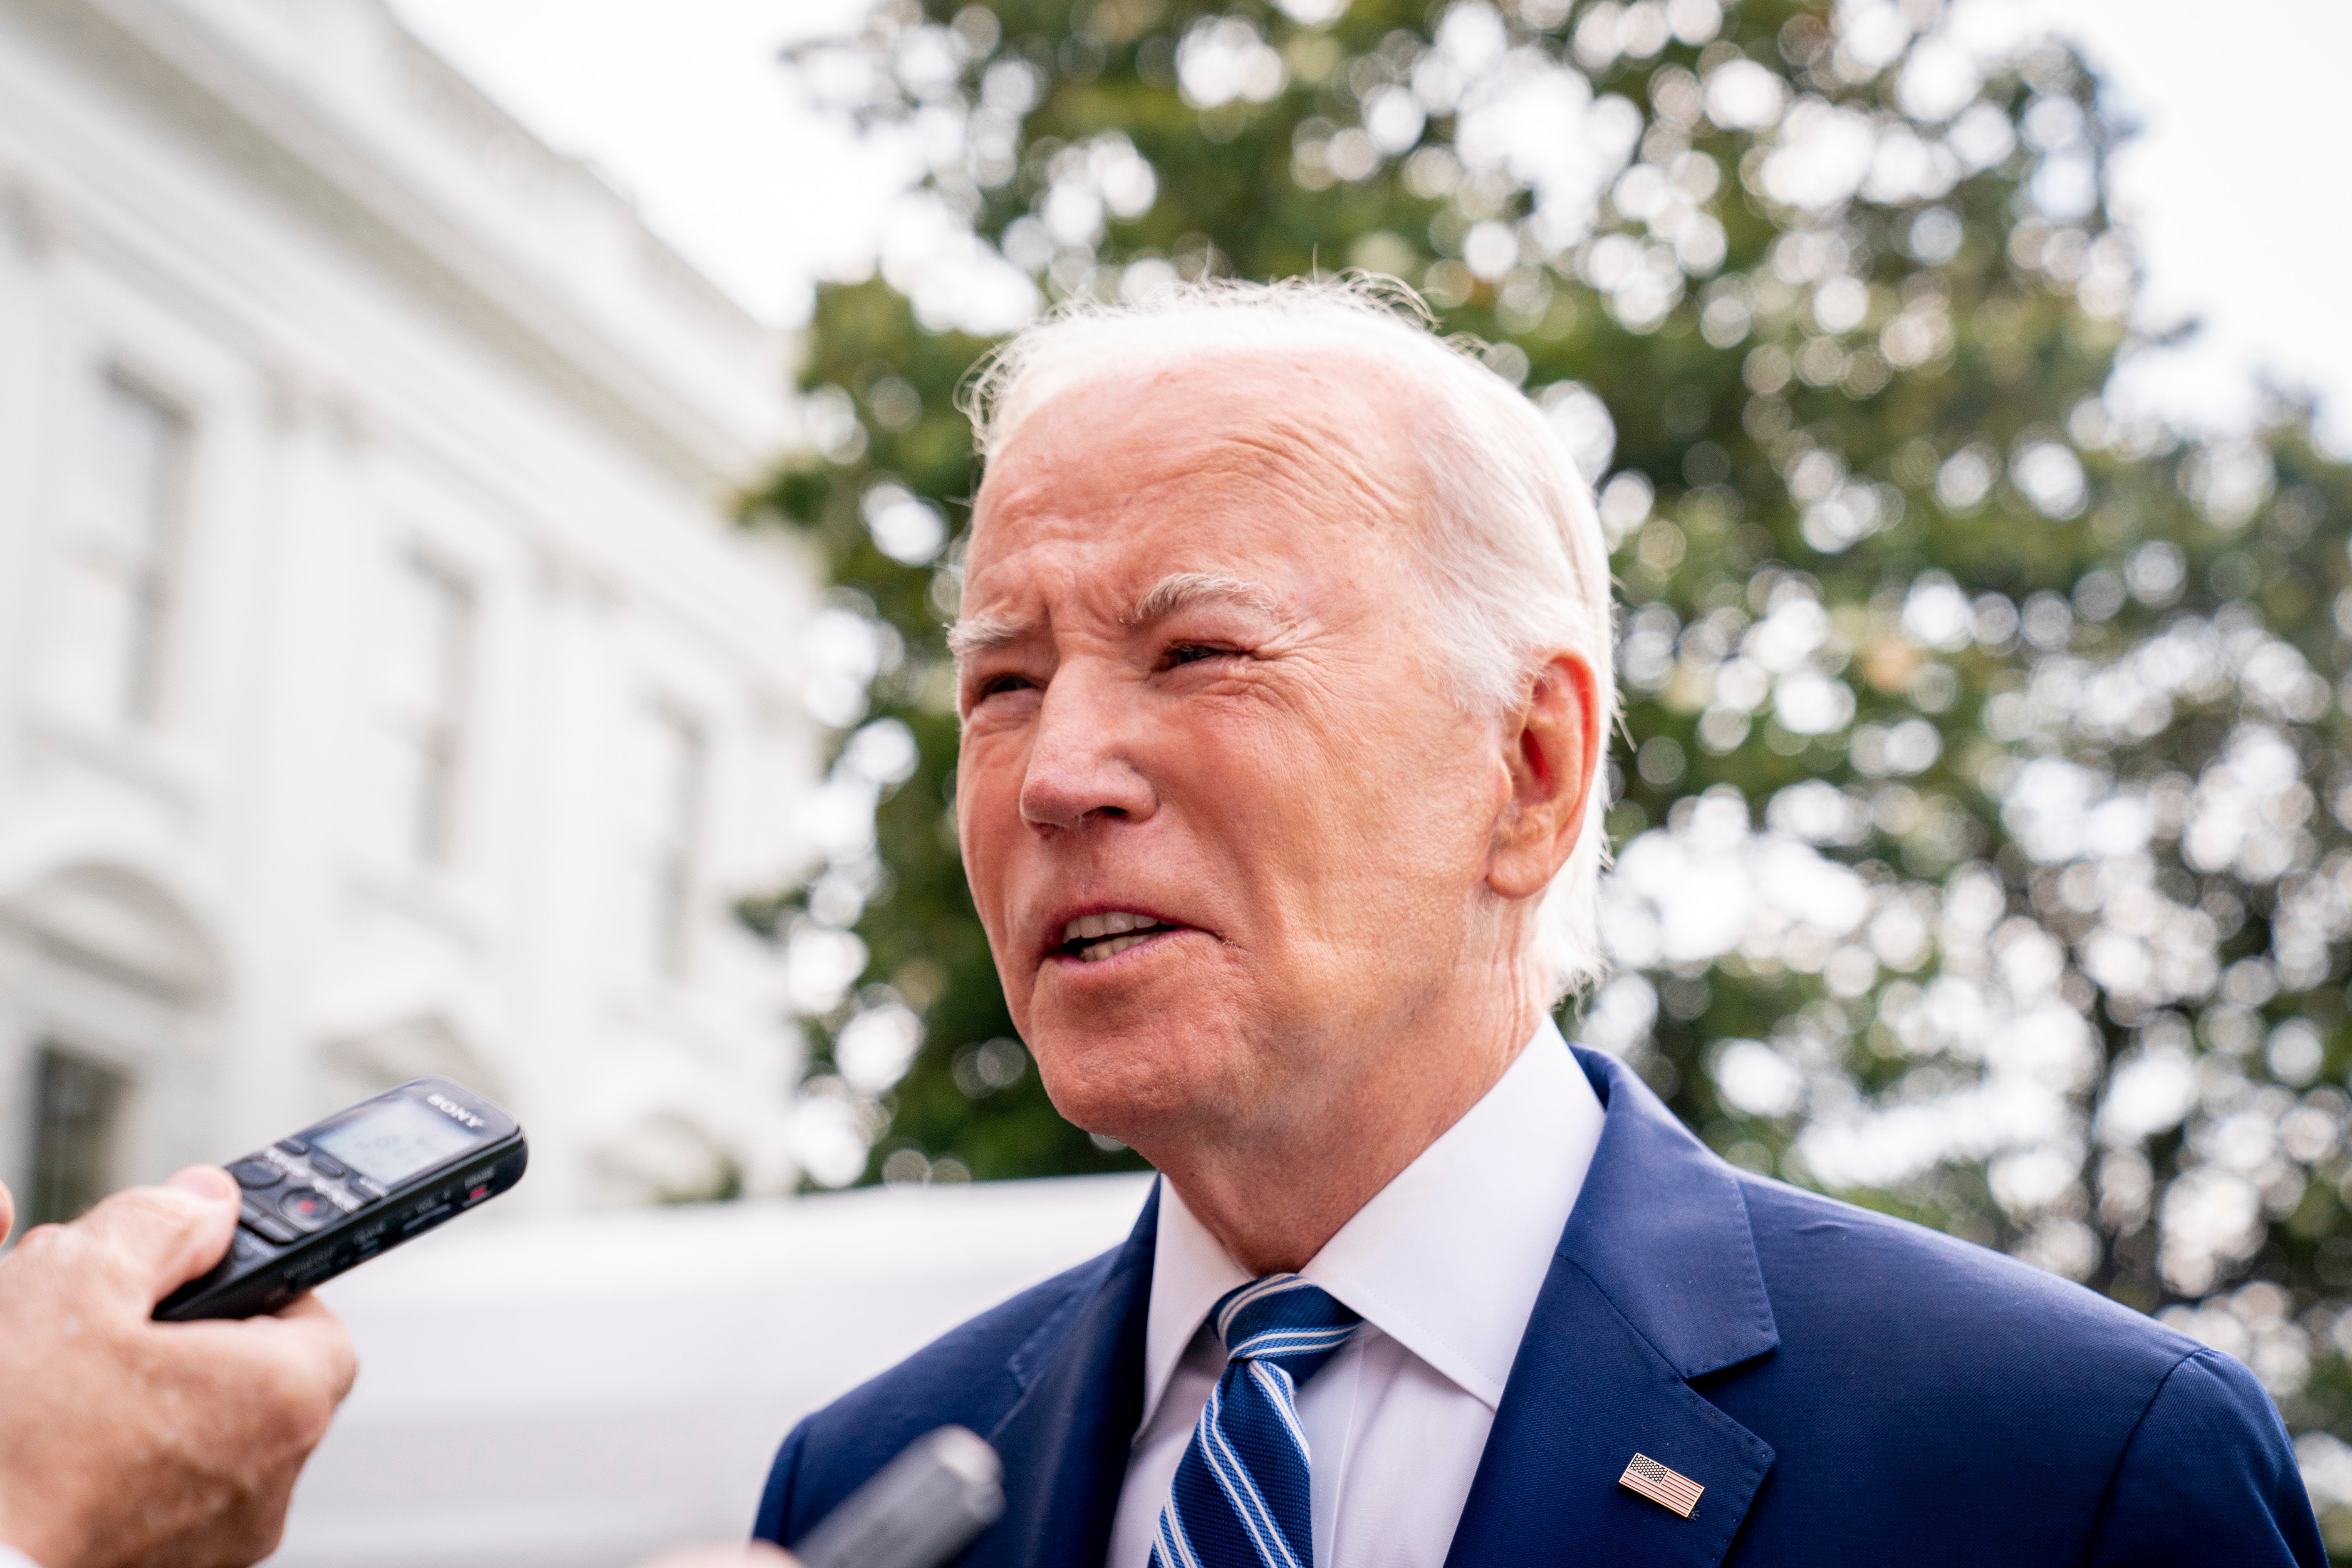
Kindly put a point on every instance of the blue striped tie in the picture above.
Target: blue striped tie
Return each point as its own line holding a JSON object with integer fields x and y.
{"x": 1240, "y": 1498}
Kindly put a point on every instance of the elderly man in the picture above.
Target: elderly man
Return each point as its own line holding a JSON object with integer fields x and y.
{"x": 1284, "y": 663}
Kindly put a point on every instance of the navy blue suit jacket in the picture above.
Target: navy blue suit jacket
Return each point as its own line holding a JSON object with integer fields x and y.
{"x": 1850, "y": 1390}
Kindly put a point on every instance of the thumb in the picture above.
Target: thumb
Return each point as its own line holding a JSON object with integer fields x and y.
{"x": 164, "y": 1237}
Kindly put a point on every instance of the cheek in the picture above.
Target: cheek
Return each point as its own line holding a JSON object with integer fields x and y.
{"x": 1348, "y": 819}
{"x": 988, "y": 847}
{"x": 987, "y": 813}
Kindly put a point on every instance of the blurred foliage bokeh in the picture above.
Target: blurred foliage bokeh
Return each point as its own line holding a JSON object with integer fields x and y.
{"x": 1980, "y": 822}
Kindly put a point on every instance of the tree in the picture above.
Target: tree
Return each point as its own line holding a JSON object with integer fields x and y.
{"x": 1981, "y": 821}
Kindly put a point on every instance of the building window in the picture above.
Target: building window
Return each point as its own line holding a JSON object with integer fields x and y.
{"x": 665, "y": 808}
{"x": 76, "y": 1106}
{"x": 420, "y": 656}
{"x": 114, "y": 593}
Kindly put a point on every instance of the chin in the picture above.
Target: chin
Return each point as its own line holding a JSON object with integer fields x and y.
{"x": 1124, "y": 1083}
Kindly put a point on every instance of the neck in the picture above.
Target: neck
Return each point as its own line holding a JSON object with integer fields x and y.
{"x": 1276, "y": 1187}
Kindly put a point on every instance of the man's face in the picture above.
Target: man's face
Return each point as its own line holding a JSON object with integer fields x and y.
{"x": 1226, "y": 827}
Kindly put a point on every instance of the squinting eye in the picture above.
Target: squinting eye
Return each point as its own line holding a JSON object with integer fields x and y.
{"x": 998, "y": 683}
{"x": 1193, "y": 652}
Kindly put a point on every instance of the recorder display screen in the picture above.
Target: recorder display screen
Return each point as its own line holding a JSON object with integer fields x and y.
{"x": 394, "y": 1141}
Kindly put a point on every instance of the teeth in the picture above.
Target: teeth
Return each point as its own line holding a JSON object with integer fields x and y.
{"x": 1086, "y": 928}
{"x": 1097, "y": 952}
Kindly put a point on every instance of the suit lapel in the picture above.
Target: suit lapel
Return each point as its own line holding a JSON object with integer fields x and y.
{"x": 1064, "y": 1441}
{"x": 1655, "y": 1283}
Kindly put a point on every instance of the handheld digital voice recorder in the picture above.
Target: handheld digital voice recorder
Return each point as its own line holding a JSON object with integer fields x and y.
{"x": 362, "y": 1182}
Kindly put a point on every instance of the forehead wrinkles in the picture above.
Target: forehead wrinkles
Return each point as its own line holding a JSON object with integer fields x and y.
{"x": 1313, "y": 466}
{"x": 1325, "y": 449}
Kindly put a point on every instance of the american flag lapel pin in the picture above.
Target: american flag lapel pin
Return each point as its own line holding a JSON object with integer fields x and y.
{"x": 1669, "y": 1488}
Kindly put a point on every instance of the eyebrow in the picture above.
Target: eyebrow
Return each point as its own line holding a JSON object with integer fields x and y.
{"x": 979, "y": 633}
{"x": 1179, "y": 589}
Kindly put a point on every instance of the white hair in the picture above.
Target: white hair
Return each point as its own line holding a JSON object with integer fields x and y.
{"x": 1512, "y": 558}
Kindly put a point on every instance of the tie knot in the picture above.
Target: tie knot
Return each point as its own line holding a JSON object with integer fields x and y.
{"x": 1284, "y": 1319}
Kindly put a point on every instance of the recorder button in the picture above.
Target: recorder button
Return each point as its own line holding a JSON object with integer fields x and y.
{"x": 294, "y": 1145}
{"x": 262, "y": 1222}
{"x": 242, "y": 1248}
{"x": 324, "y": 1164}
{"x": 254, "y": 1173}
{"x": 308, "y": 1208}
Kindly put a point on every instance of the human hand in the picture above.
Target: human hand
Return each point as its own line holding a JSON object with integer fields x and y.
{"x": 127, "y": 1443}
{"x": 757, "y": 1554}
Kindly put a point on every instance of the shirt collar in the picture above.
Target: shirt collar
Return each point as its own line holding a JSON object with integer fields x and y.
{"x": 1448, "y": 1258}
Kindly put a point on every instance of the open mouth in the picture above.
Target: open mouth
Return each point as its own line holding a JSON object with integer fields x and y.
{"x": 1090, "y": 938}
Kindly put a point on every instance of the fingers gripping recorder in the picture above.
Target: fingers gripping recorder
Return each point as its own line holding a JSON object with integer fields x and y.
{"x": 364, "y": 1180}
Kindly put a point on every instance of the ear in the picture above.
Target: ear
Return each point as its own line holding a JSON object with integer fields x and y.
{"x": 1552, "y": 751}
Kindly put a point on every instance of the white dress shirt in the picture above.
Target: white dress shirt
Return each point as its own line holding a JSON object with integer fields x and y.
{"x": 12, "y": 1558}
{"x": 1445, "y": 1265}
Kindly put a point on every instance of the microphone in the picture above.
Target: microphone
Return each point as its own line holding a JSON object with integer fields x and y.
{"x": 919, "y": 1511}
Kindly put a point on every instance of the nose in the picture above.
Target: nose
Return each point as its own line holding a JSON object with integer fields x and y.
{"x": 1080, "y": 762}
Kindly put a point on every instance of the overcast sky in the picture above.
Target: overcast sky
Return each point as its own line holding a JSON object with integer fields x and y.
{"x": 2237, "y": 188}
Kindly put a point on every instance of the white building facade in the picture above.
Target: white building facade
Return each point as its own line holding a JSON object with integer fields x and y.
{"x": 384, "y": 688}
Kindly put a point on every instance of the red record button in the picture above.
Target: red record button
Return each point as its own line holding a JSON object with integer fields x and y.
{"x": 307, "y": 1208}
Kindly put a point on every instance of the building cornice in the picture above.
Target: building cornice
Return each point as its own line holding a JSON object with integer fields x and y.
{"x": 179, "y": 67}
